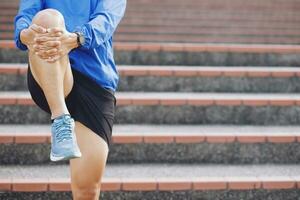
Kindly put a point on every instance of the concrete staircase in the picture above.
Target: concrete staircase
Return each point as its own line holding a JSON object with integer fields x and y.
{"x": 195, "y": 121}
{"x": 182, "y": 132}
{"x": 191, "y": 21}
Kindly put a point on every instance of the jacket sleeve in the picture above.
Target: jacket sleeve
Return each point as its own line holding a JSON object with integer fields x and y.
{"x": 103, "y": 23}
{"x": 27, "y": 10}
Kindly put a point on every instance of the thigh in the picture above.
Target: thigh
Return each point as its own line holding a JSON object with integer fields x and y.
{"x": 38, "y": 96}
{"x": 37, "y": 64}
{"x": 87, "y": 171}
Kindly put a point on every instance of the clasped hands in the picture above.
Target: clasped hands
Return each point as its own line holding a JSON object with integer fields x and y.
{"x": 49, "y": 44}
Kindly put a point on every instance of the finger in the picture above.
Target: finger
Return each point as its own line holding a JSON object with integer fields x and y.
{"x": 42, "y": 48}
{"x": 49, "y": 56}
{"x": 50, "y": 34}
{"x": 52, "y": 44}
{"x": 58, "y": 56}
{"x": 55, "y": 30}
{"x": 46, "y": 54}
{"x": 40, "y": 39}
{"x": 55, "y": 34}
{"x": 37, "y": 47}
{"x": 53, "y": 59}
{"x": 52, "y": 52}
{"x": 38, "y": 29}
{"x": 41, "y": 54}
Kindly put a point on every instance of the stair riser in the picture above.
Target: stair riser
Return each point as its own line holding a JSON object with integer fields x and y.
{"x": 290, "y": 194}
{"x": 11, "y": 82}
{"x": 218, "y": 153}
{"x": 243, "y": 115}
{"x": 181, "y": 58}
{"x": 213, "y": 59}
{"x": 216, "y": 59}
{"x": 210, "y": 84}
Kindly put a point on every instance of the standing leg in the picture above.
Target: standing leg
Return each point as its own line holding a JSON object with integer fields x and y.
{"x": 87, "y": 171}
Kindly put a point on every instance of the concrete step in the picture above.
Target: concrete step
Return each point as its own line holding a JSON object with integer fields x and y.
{"x": 30, "y": 144}
{"x": 143, "y": 53}
{"x": 174, "y": 108}
{"x": 245, "y": 17}
{"x": 158, "y": 181}
{"x": 183, "y": 78}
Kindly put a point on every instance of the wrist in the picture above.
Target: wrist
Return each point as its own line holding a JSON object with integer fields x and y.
{"x": 73, "y": 40}
{"x": 80, "y": 38}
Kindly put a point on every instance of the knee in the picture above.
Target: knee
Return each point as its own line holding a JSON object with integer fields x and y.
{"x": 86, "y": 193}
{"x": 49, "y": 18}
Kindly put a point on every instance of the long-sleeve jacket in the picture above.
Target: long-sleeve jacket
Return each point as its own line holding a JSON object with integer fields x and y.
{"x": 96, "y": 20}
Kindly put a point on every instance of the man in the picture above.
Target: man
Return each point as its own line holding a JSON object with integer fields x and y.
{"x": 73, "y": 77}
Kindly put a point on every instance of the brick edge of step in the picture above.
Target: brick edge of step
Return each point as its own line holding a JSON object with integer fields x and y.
{"x": 40, "y": 138}
{"x": 183, "y": 71}
{"x": 152, "y": 184}
{"x": 189, "y": 47}
{"x": 162, "y": 99}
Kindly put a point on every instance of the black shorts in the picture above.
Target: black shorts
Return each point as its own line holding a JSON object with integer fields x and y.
{"x": 88, "y": 103}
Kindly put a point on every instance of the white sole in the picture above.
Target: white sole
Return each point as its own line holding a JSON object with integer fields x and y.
{"x": 60, "y": 158}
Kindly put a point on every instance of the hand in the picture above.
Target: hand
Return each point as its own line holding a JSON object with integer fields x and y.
{"x": 27, "y": 35}
{"x": 54, "y": 44}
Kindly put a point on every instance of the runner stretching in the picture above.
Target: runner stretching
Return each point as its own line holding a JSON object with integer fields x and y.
{"x": 73, "y": 77}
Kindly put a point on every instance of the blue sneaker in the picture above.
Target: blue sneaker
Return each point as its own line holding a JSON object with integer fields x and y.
{"x": 63, "y": 141}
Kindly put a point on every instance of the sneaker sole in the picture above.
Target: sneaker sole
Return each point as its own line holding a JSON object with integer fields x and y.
{"x": 55, "y": 158}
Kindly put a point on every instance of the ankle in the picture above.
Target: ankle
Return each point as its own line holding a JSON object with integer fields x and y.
{"x": 54, "y": 116}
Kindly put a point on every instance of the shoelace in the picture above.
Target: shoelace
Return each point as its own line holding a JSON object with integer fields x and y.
{"x": 63, "y": 130}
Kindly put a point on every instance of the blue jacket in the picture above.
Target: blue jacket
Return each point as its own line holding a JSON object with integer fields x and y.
{"x": 96, "y": 19}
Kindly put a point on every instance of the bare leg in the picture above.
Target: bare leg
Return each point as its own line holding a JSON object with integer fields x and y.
{"x": 55, "y": 79}
{"x": 87, "y": 171}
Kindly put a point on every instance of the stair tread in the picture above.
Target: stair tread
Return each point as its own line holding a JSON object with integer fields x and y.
{"x": 176, "y": 99}
{"x": 177, "y": 95}
{"x": 11, "y": 66}
{"x": 156, "y": 177}
{"x": 161, "y": 130}
{"x": 142, "y": 133}
{"x": 187, "y": 171}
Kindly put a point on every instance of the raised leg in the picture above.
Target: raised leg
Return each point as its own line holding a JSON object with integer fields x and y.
{"x": 56, "y": 78}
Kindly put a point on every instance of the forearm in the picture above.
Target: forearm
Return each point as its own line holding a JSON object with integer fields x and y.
{"x": 105, "y": 20}
{"x": 23, "y": 19}
{"x": 19, "y": 35}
